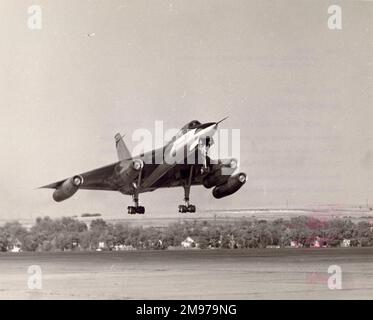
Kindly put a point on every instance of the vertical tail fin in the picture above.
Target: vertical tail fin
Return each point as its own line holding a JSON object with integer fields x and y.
{"x": 122, "y": 150}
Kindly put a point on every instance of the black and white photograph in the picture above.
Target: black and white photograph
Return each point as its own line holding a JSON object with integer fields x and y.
{"x": 206, "y": 150}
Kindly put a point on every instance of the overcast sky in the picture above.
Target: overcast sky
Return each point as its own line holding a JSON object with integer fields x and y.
{"x": 301, "y": 95}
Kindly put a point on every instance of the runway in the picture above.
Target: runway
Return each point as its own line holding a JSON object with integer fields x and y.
{"x": 190, "y": 274}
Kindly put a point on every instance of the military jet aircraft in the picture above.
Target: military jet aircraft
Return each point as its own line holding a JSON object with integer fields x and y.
{"x": 182, "y": 162}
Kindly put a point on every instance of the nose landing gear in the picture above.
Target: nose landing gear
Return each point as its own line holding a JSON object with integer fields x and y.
{"x": 204, "y": 147}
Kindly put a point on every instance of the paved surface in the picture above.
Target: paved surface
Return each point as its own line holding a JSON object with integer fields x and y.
{"x": 196, "y": 274}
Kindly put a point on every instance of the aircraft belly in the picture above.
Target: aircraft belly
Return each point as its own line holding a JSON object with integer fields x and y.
{"x": 157, "y": 173}
{"x": 177, "y": 176}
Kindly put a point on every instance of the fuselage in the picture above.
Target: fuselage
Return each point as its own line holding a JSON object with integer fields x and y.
{"x": 181, "y": 150}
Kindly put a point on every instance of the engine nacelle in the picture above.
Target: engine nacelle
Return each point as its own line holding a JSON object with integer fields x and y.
{"x": 68, "y": 188}
{"x": 220, "y": 174}
{"x": 129, "y": 170}
{"x": 230, "y": 186}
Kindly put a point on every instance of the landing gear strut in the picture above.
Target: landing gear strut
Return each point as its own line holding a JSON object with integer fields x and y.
{"x": 136, "y": 208}
{"x": 205, "y": 147}
{"x": 187, "y": 207}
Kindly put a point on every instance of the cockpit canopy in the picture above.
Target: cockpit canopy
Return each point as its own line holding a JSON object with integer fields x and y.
{"x": 189, "y": 126}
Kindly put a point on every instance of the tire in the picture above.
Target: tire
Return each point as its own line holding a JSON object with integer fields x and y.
{"x": 140, "y": 210}
{"x": 192, "y": 208}
{"x": 131, "y": 210}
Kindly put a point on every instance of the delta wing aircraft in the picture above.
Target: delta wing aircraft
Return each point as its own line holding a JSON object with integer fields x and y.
{"x": 182, "y": 162}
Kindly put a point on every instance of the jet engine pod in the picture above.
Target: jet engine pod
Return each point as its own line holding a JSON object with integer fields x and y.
{"x": 129, "y": 170}
{"x": 214, "y": 179}
{"x": 231, "y": 186}
{"x": 137, "y": 164}
{"x": 68, "y": 188}
{"x": 220, "y": 174}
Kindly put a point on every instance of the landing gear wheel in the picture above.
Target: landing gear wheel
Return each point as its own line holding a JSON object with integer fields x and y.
{"x": 140, "y": 210}
{"x": 131, "y": 210}
{"x": 183, "y": 208}
{"x": 191, "y": 208}
{"x": 134, "y": 210}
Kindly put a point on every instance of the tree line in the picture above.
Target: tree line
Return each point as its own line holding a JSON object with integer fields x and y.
{"x": 71, "y": 234}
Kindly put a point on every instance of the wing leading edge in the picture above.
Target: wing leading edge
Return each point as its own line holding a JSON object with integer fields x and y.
{"x": 97, "y": 179}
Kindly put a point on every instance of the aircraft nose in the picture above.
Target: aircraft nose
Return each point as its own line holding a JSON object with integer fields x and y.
{"x": 211, "y": 125}
{"x": 207, "y": 125}
{"x": 207, "y": 129}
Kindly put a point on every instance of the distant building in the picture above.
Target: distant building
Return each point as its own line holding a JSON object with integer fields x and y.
{"x": 75, "y": 244}
{"x": 319, "y": 243}
{"x": 101, "y": 246}
{"x": 346, "y": 243}
{"x": 15, "y": 247}
{"x": 295, "y": 244}
{"x": 123, "y": 247}
{"x": 316, "y": 244}
{"x": 188, "y": 243}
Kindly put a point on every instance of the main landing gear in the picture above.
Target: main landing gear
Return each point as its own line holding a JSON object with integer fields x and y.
{"x": 136, "y": 208}
{"x": 187, "y": 207}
